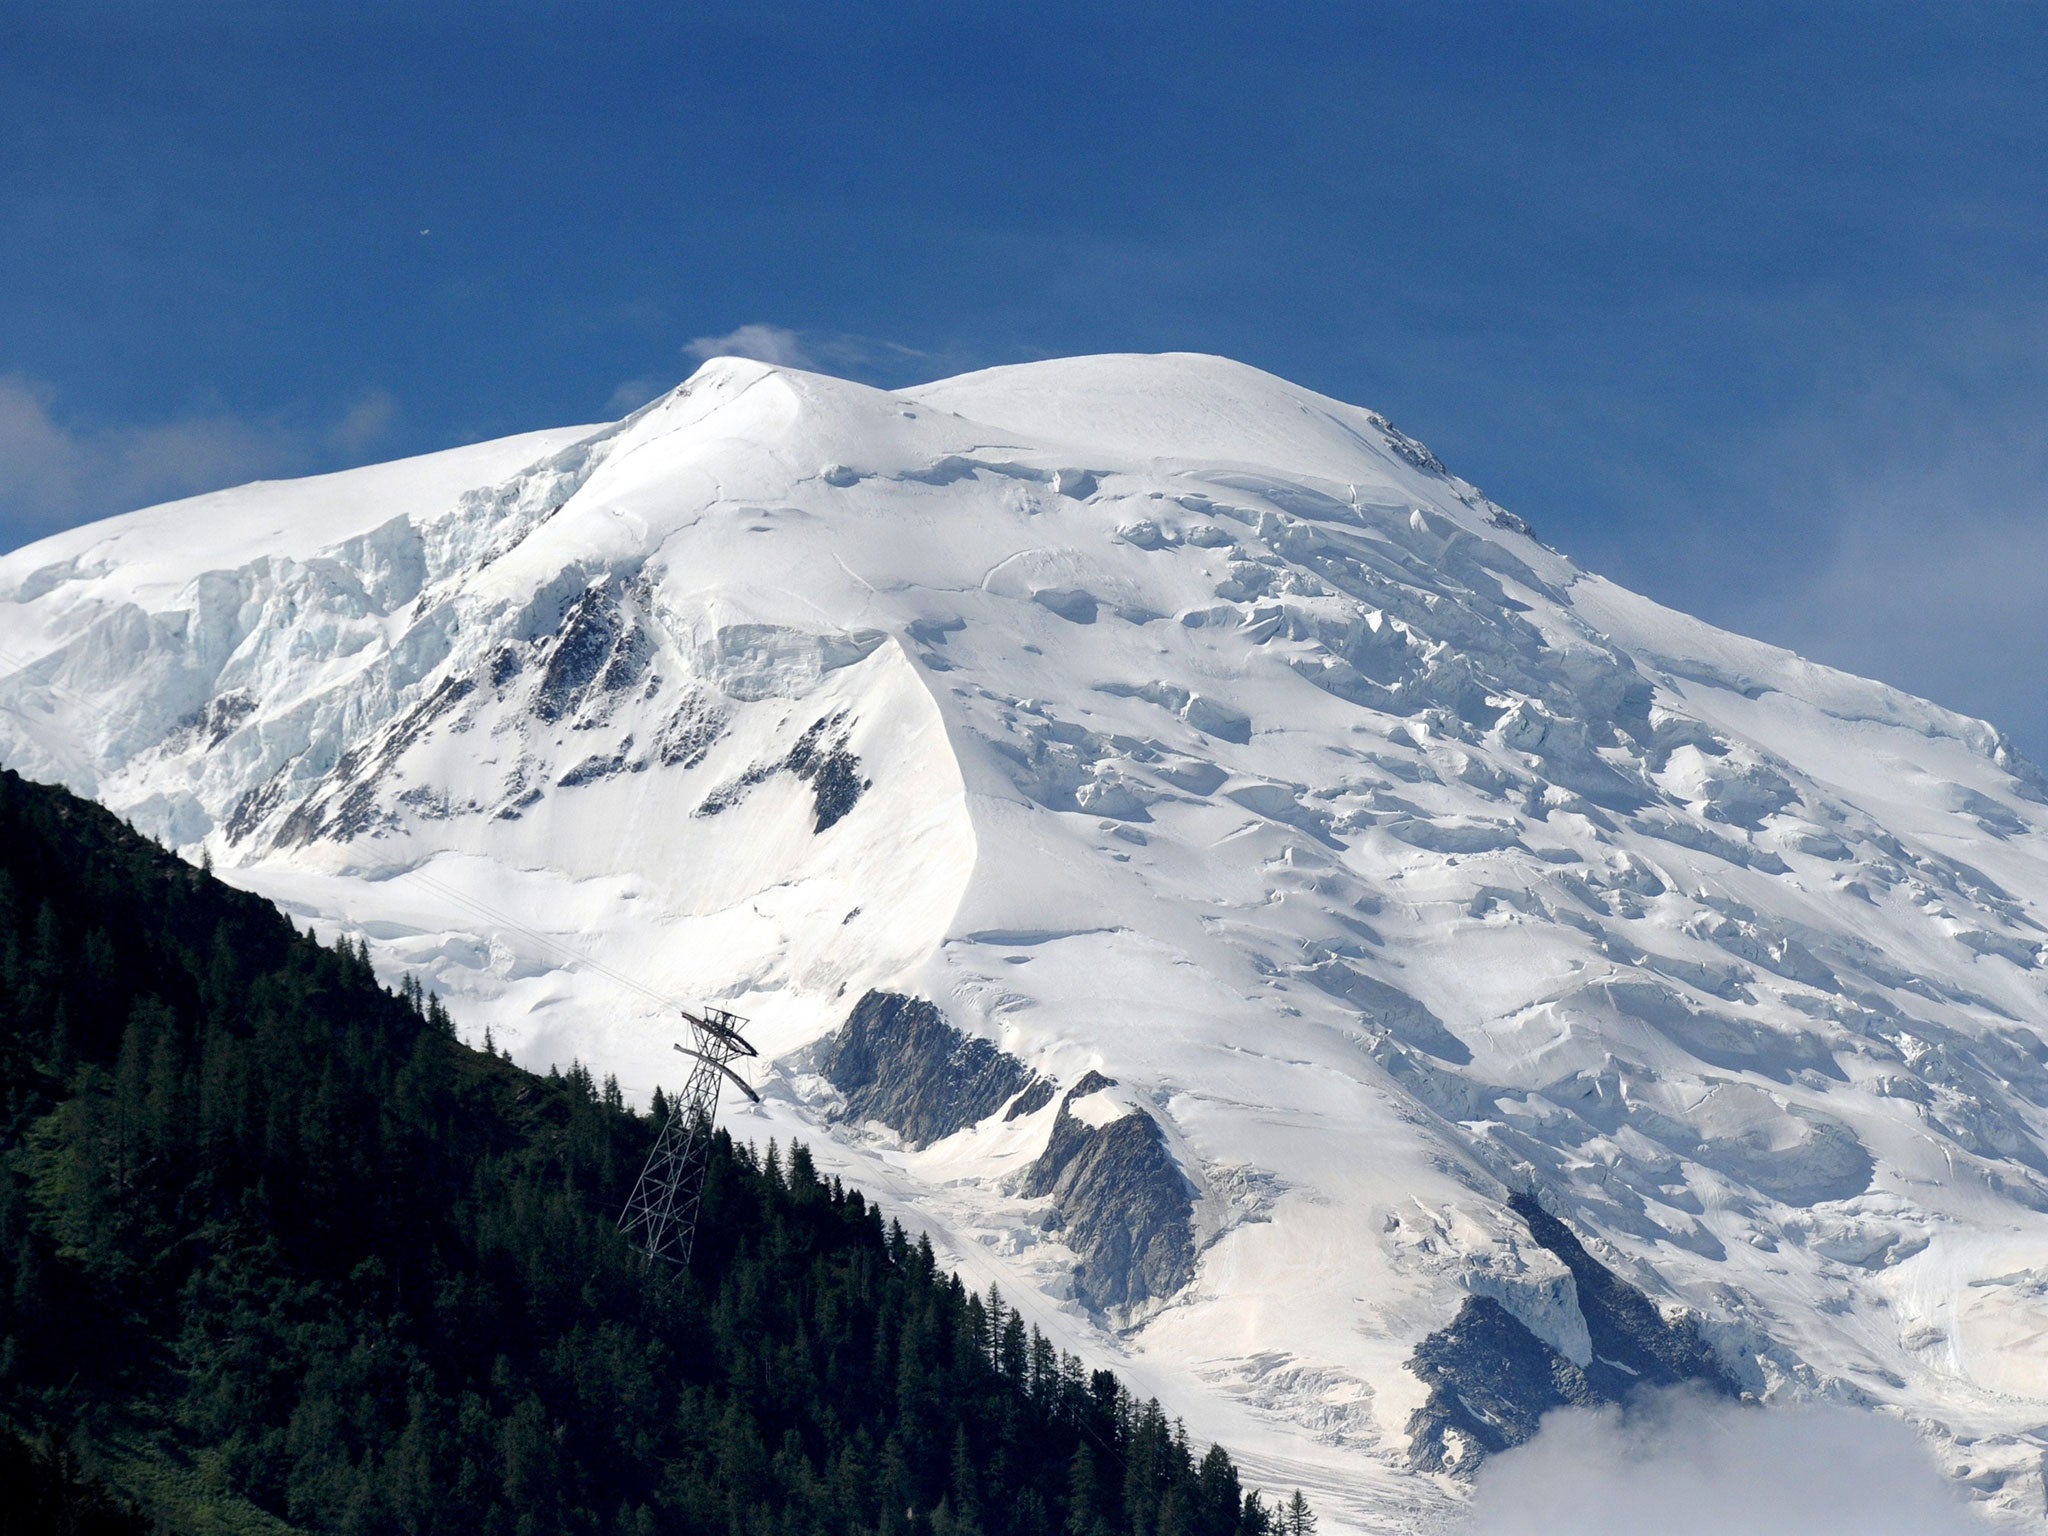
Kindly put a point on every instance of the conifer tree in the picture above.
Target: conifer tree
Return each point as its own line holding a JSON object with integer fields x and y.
{"x": 370, "y": 1279}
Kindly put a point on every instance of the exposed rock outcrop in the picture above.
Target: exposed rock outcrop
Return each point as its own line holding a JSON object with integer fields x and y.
{"x": 1123, "y": 1204}
{"x": 820, "y": 758}
{"x": 1634, "y": 1344}
{"x": 897, "y": 1060}
{"x": 1491, "y": 1380}
{"x": 1031, "y": 1100}
{"x": 1119, "y": 1199}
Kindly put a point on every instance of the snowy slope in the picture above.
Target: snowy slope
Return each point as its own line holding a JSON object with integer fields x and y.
{"x": 1152, "y": 717}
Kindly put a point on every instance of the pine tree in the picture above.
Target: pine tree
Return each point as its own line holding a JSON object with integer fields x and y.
{"x": 371, "y": 1278}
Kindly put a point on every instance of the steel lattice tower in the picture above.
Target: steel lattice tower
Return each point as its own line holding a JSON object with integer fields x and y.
{"x": 663, "y": 1210}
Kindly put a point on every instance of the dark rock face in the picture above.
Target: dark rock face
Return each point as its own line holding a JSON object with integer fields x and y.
{"x": 688, "y": 736}
{"x": 1031, "y": 1100}
{"x": 589, "y": 634}
{"x": 897, "y": 1060}
{"x": 1126, "y": 1208}
{"x": 832, "y": 772}
{"x": 599, "y": 766}
{"x": 256, "y": 804}
{"x": 1491, "y": 1380}
{"x": 1120, "y": 1200}
{"x": 346, "y": 804}
{"x": 223, "y": 714}
{"x": 1634, "y": 1344}
{"x": 599, "y": 650}
{"x": 820, "y": 758}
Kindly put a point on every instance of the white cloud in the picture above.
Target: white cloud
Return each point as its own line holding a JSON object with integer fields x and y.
{"x": 53, "y": 475}
{"x": 42, "y": 461}
{"x": 1682, "y": 1466}
{"x": 636, "y": 392}
{"x": 1952, "y": 609}
{"x": 365, "y": 422}
{"x": 1932, "y": 501}
{"x": 775, "y": 344}
{"x": 842, "y": 353}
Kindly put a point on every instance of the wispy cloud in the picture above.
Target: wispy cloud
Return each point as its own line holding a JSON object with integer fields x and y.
{"x": 1927, "y": 494}
{"x": 633, "y": 393}
{"x": 1681, "y": 1466}
{"x": 1870, "y": 489}
{"x": 366, "y": 422}
{"x": 1945, "y": 600}
{"x": 864, "y": 359}
{"x": 53, "y": 474}
{"x": 764, "y": 343}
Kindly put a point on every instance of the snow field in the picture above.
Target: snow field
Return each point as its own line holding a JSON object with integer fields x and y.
{"x": 1153, "y": 717}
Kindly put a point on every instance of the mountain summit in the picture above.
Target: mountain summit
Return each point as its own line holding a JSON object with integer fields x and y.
{"x": 1180, "y": 845}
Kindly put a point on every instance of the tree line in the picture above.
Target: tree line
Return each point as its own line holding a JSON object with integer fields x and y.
{"x": 282, "y": 1252}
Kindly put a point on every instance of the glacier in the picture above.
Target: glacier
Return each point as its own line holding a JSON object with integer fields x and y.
{"x": 1190, "y": 747}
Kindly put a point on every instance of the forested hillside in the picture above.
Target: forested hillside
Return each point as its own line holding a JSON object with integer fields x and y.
{"x": 280, "y": 1251}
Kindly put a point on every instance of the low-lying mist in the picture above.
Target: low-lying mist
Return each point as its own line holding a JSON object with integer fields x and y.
{"x": 1681, "y": 1465}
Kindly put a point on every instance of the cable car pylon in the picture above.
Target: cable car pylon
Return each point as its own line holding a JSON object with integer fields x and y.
{"x": 664, "y": 1206}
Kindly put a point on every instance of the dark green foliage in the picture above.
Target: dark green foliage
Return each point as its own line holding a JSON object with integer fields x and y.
{"x": 278, "y": 1247}
{"x": 41, "y": 1491}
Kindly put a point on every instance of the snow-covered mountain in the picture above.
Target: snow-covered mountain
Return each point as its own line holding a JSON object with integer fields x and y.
{"x": 1177, "y": 843}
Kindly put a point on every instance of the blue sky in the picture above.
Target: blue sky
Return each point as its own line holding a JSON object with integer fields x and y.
{"x": 1743, "y": 305}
